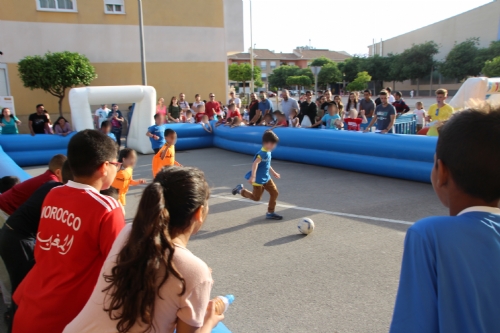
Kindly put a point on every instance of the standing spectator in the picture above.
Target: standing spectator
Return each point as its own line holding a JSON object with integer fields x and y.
{"x": 212, "y": 107}
{"x": 308, "y": 108}
{"x": 183, "y": 103}
{"x": 234, "y": 99}
{"x": 161, "y": 108}
{"x": 287, "y": 103}
{"x": 101, "y": 115}
{"x": 366, "y": 106}
{"x": 327, "y": 101}
{"x": 49, "y": 129}
{"x": 197, "y": 101}
{"x": 254, "y": 113}
{"x": 400, "y": 104}
{"x": 352, "y": 103}
{"x": 319, "y": 94}
{"x": 116, "y": 119}
{"x": 385, "y": 115}
{"x": 421, "y": 115}
{"x": 130, "y": 114}
{"x": 338, "y": 100}
{"x": 62, "y": 127}
{"x": 412, "y": 93}
{"x": 39, "y": 122}
{"x": 391, "y": 97}
{"x": 265, "y": 105}
{"x": 174, "y": 110}
{"x": 440, "y": 111}
{"x": 9, "y": 122}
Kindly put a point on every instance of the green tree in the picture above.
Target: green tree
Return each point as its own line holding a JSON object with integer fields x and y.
{"x": 280, "y": 74}
{"x": 379, "y": 68}
{"x": 488, "y": 53}
{"x": 418, "y": 61}
{"x": 492, "y": 68}
{"x": 360, "y": 82}
{"x": 302, "y": 81}
{"x": 461, "y": 62}
{"x": 329, "y": 74}
{"x": 396, "y": 65}
{"x": 243, "y": 73}
{"x": 352, "y": 67}
{"x": 56, "y": 72}
{"x": 321, "y": 61}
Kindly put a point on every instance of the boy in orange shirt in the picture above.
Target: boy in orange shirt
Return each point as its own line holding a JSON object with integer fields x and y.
{"x": 123, "y": 179}
{"x": 166, "y": 155}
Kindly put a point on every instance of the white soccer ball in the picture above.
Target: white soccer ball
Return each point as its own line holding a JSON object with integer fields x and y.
{"x": 306, "y": 226}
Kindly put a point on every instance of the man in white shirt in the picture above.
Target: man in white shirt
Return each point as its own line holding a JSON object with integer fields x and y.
{"x": 391, "y": 97}
{"x": 234, "y": 99}
{"x": 183, "y": 103}
{"x": 287, "y": 103}
{"x": 101, "y": 115}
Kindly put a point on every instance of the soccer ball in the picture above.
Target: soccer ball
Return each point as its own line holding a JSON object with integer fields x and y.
{"x": 306, "y": 226}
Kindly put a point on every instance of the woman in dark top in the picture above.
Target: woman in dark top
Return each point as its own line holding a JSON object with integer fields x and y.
{"x": 174, "y": 110}
{"x": 252, "y": 110}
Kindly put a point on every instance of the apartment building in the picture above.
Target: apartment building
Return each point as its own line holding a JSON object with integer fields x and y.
{"x": 187, "y": 43}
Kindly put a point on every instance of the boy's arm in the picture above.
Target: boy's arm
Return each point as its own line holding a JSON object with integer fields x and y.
{"x": 274, "y": 173}
{"x": 111, "y": 225}
{"x": 374, "y": 119}
{"x": 164, "y": 152}
{"x": 416, "y": 301}
{"x": 255, "y": 166}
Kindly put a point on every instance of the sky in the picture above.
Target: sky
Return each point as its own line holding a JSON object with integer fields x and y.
{"x": 349, "y": 25}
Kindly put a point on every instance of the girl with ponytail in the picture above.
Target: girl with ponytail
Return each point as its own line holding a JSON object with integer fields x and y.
{"x": 150, "y": 282}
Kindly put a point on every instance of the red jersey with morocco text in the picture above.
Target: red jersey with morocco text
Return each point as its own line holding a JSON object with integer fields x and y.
{"x": 77, "y": 229}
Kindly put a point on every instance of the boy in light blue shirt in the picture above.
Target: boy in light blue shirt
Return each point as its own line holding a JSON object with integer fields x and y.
{"x": 156, "y": 133}
{"x": 450, "y": 275}
{"x": 260, "y": 176}
{"x": 106, "y": 129}
{"x": 332, "y": 120}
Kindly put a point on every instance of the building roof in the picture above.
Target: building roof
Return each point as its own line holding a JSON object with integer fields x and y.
{"x": 297, "y": 54}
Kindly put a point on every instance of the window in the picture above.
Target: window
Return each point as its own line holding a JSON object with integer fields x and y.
{"x": 114, "y": 7}
{"x": 56, "y": 5}
{"x": 273, "y": 64}
{"x": 263, "y": 77}
{"x": 263, "y": 65}
{"x": 291, "y": 63}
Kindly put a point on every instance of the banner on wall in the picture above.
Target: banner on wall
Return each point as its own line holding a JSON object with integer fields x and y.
{"x": 7, "y": 102}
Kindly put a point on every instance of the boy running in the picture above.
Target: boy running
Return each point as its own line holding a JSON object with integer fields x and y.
{"x": 260, "y": 176}
{"x": 450, "y": 276}
{"x": 156, "y": 133}
{"x": 166, "y": 155}
{"x": 77, "y": 228}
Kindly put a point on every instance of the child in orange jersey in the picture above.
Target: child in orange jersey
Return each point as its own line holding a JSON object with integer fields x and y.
{"x": 166, "y": 155}
{"x": 123, "y": 179}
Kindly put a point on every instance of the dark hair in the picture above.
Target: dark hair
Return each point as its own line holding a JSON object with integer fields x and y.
{"x": 349, "y": 106}
{"x": 383, "y": 92}
{"x": 368, "y": 91}
{"x": 231, "y": 105}
{"x": 8, "y": 182}
{"x": 144, "y": 264}
{"x": 172, "y": 100}
{"x": 468, "y": 146}
{"x": 88, "y": 150}
{"x": 38, "y": 105}
{"x": 111, "y": 192}
{"x": 398, "y": 93}
{"x": 388, "y": 89}
{"x": 66, "y": 172}
{"x": 1, "y": 114}
{"x": 124, "y": 153}
{"x": 105, "y": 123}
{"x": 57, "y": 162}
{"x": 56, "y": 123}
{"x": 168, "y": 132}
{"x": 157, "y": 115}
{"x": 270, "y": 136}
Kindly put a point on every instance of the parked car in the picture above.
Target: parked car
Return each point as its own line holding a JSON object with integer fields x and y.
{"x": 271, "y": 94}
{"x": 293, "y": 92}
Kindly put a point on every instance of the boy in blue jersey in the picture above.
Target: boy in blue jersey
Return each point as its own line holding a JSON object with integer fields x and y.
{"x": 450, "y": 275}
{"x": 156, "y": 133}
{"x": 260, "y": 176}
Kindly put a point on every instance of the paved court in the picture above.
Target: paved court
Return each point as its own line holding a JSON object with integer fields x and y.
{"x": 342, "y": 278}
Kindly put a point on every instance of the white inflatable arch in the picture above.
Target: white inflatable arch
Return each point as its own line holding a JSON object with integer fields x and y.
{"x": 144, "y": 98}
{"x": 477, "y": 89}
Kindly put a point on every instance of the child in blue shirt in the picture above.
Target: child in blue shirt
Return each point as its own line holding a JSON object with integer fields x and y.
{"x": 156, "y": 133}
{"x": 450, "y": 275}
{"x": 106, "y": 129}
{"x": 260, "y": 176}
{"x": 332, "y": 120}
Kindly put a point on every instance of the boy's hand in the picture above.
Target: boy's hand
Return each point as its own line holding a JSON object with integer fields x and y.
{"x": 156, "y": 137}
{"x": 142, "y": 181}
{"x": 211, "y": 317}
{"x": 251, "y": 180}
{"x": 276, "y": 175}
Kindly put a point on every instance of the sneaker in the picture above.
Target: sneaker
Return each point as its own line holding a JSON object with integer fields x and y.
{"x": 237, "y": 189}
{"x": 273, "y": 216}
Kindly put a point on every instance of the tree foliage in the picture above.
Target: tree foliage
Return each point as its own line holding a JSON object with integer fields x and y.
{"x": 462, "y": 60}
{"x": 243, "y": 73}
{"x": 360, "y": 82}
{"x": 56, "y": 72}
{"x": 351, "y": 67}
{"x": 280, "y": 74}
{"x": 418, "y": 60}
{"x": 329, "y": 74}
{"x": 321, "y": 61}
{"x": 492, "y": 68}
{"x": 302, "y": 80}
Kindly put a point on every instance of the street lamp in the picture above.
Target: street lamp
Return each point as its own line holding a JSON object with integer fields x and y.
{"x": 315, "y": 70}
{"x": 251, "y": 49}
{"x": 143, "y": 51}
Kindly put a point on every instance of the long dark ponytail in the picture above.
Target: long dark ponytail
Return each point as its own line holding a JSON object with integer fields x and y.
{"x": 165, "y": 210}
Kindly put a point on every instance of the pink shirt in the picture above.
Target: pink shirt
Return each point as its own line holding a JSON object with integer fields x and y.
{"x": 190, "y": 307}
{"x": 161, "y": 109}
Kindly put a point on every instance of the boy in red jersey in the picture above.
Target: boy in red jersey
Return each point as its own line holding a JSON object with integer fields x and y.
{"x": 77, "y": 228}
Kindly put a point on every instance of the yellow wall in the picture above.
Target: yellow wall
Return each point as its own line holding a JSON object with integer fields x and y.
{"x": 193, "y": 13}
{"x": 168, "y": 79}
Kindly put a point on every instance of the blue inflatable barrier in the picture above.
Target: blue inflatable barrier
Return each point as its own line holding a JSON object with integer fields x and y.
{"x": 191, "y": 136}
{"x": 27, "y": 150}
{"x": 9, "y": 168}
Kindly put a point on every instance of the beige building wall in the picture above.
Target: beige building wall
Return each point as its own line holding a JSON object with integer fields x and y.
{"x": 482, "y": 22}
{"x": 187, "y": 44}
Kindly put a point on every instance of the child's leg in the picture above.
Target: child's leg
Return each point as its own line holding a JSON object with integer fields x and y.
{"x": 273, "y": 193}
{"x": 256, "y": 195}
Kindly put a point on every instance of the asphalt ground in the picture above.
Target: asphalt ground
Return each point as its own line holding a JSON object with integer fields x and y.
{"x": 342, "y": 278}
